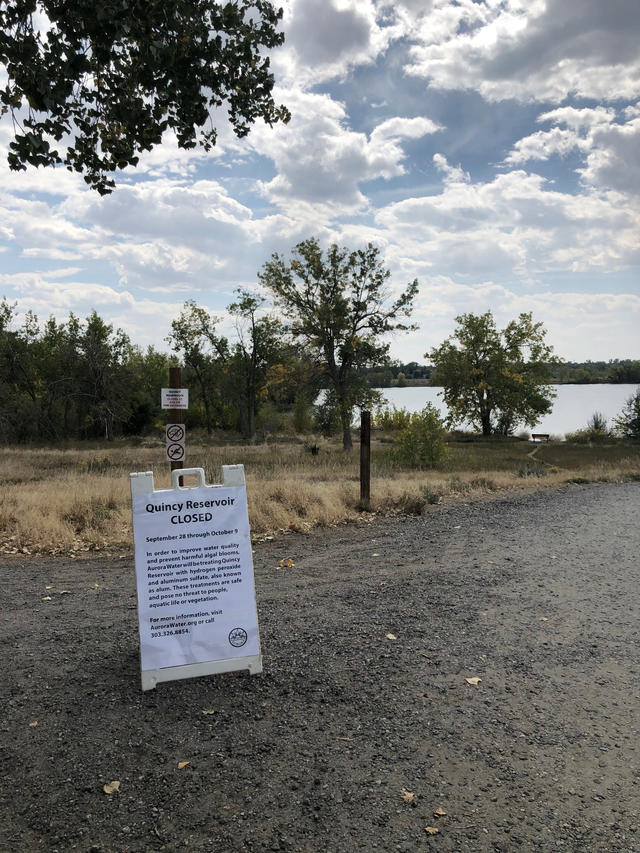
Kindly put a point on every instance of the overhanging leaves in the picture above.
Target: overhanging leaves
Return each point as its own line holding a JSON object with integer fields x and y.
{"x": 109, "y": 78}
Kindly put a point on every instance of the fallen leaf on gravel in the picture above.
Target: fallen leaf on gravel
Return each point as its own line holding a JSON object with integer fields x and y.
{"x": 49, "y": 586}
{"x": 431, "y": 830}
{"x": 543, "y": 619}
{"x": 33, "y": 724}
{"x": 65, "y": 592}
{"x": 375, "y": 555}
{"x": 46, "y": 598}
{"x": 475, "y": 680}
{"x": 408, "y": 796}
{"x": 111, "y": 788}
{"x": 289, "y": 564}
{"x": 391, "y": 636}
{"x": 182, "y": 764}
{"x": 95, "y": 586}
{"x": 439, "y": 812}
{"x": 208, "y": 711}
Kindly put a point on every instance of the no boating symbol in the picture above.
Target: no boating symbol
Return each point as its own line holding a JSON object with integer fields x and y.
{"x": 175, "y": 433}
{"x": 174, "y": 440}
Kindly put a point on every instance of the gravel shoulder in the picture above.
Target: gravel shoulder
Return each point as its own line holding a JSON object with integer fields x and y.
{"x": 536, "y": 595}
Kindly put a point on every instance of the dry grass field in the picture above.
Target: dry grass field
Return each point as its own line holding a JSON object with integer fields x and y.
{"x": 77, "y": 498}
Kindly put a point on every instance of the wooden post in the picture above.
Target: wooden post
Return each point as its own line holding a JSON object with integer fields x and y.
{"x": 365, "y": 459}
{"x": 175, "y": 415}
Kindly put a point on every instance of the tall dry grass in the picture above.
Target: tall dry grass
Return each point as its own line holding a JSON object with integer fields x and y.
{"x": 73, "y": 499}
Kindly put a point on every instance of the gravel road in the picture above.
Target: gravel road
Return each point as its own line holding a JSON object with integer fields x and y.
{"x": 368, "y": 642}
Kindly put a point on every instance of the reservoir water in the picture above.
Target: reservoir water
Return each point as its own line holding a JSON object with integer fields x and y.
{"x": 572, "y": 407}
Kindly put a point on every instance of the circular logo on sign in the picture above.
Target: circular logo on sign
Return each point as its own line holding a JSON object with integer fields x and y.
{"x": 175, "y": 452}
{"x": 237, "y": 637}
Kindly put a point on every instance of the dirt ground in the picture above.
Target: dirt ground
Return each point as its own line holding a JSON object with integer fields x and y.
{"x": 368, "y": 641}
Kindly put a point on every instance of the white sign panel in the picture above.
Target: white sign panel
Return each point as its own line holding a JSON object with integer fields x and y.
{"x": 194, "y": 569}
{"x": 174, "y": 435}
{"x": 174, "y": 398}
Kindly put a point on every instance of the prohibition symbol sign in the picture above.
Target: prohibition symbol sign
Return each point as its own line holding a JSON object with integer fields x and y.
{"x": 175, "y": 433}
{"x": 175, "y": 452}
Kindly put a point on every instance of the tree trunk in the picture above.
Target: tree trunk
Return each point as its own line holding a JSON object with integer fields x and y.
{"x": 251, "y": 421}
{"x": 345, "y": 420}
{"x": 251, "y": 410}
{"x": 205, "y": 401}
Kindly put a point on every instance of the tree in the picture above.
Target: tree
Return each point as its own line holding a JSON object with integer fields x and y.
{"x": 194, "y": 337}
{"x": 259, "y": 342}
{"x": 108, "y": 78}
{"x": 627, "y": 423}
{"x": 493, "y": 379}
{"x": 104, "y": 354}
{"x": 338, "y": 304}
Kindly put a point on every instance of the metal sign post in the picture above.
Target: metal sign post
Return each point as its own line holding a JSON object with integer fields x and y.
{"x": 365, "y": 459}
{"x": 176, "y": 399}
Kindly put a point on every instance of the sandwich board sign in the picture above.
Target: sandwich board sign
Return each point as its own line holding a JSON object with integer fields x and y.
{"x": 197, "y": 610}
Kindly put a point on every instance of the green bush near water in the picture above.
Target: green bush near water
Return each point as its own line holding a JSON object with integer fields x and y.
{"x": 421, "y": 443}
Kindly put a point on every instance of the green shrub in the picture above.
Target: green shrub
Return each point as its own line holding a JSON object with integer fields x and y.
{"x": 421, "y": 444}
{"x": 597, "y": 423}
{"x": 588, "y": 435}
{"x": 270, "y": 420}
{"x": 392, "y": 420}
{"x": 302, "y": 414}
{"x": 326, "y": 418}
{"x": 628, "y": 421}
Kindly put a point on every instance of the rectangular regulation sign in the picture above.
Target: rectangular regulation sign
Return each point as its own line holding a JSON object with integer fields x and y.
{"x": 174, "y": 398}
{"x": 194, "y": 571}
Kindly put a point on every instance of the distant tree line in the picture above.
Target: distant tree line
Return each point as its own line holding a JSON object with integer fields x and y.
{"x": 614, "y": 371}
{"x": 83, "y": 379}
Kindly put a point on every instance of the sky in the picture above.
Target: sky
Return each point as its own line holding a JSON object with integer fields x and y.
{"x": 489, "y": 148}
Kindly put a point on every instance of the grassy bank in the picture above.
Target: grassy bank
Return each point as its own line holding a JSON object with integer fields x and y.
{"x": 77, "y": 498}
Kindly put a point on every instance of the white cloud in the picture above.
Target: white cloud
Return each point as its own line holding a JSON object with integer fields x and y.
{"x": 579, "y": 119}
{"x": 610, "y": 148}
{"x": 49, "y": 294}
{"x": 320, "y": 162}
{"x": 613, "y": 161}
{"x": 326, "y": 40}
{"x": 574, "y": 320}
{"x": 514, "y": 225}
{"x": 531, "y": 50}
{"x": 451, "y": 173}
